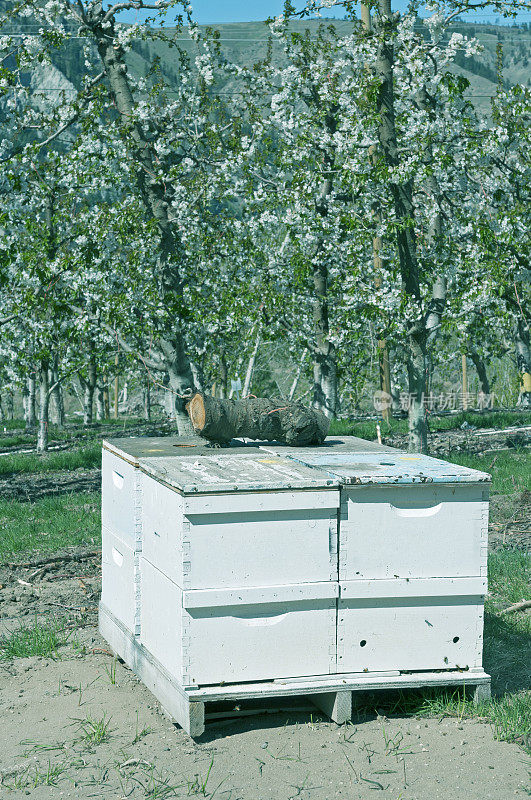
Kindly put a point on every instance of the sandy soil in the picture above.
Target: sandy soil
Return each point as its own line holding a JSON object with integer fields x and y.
{"x": 46, "y": 707}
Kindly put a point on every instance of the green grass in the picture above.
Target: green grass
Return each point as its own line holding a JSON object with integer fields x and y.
{"x": 12, "y": 424}
{"x": 34, "y": 640}
{"x": 23, "y": 463}
{"x": 7, "y": 441}
{"x": 510, "y": 575}
{"x": 49, "y": 524}
{"x": 94, "y": 731}
{"x": 510, "y": 716}
{"x": 510, "y": 469}
{"x": 366, "y": 429}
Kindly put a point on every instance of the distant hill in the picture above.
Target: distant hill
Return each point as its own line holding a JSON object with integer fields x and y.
{"x": 246, "y": 42}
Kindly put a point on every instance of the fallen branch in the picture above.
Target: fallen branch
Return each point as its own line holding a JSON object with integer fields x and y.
{"x": 56, "y": 559}
{"x": 521, "y": 606}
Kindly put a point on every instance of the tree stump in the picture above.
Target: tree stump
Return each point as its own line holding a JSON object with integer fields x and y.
{"x": 256, "y": 418}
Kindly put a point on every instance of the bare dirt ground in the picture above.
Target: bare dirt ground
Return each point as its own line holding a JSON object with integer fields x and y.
{"x": 81, "y": 725}
{"x": 468, "y": 440}
{"x": 33, "y": 486}
{"x": 50, "y": 710}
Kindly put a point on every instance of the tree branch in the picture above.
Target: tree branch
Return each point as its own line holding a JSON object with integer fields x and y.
{"x": 137, "y": 6}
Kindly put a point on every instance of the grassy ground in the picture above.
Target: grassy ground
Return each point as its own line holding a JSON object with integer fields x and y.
{"x": 49, "y": 524}
{"x": 86, "y": 457}
{"x": 366, "y": 429}
{"x": 510, "y": 469}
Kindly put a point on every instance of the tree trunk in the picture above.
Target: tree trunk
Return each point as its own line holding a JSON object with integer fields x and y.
{"x": 147, "y": 401}
{"x": 523, "y": 363}
{"x": 223, "y": 376}
{"x": 155, "y": 198}
{"x": 100, "y": 405}
{"x": 106, "y": 400}
{"x": 58, "y": 409}
{"x": 31, "y": 417}
{"x": 481, "y": 369}
{"x": 402, "y": 196}
{"x": 88, "y": 386}
{"x": 181, "y": 382}
{"x": 256, "y": 418}
{"x": 44, "y": 397}
{"x": 297, "y": 377}
{"x": 250, "y": 367}
{"x": 324, "y": 352}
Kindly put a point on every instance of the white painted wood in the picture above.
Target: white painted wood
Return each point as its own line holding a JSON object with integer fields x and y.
{"x": 332, "y": 444}
{"x": 357, "y": 682}
{"x": 120, "y": 580}
{"x": 410, "y": 633}
{"x": 212, "y": 598}
{"x": 238, "y": 642}
{"x": 161, "y": 619}
{"x": 274, "y": 538}
{"x": 413, "y": 587}
{"x": 396, "y": 468}
{"x": 336, "y": 705}
{"x": 264, "y": 501}
{"x": 187, "y": 712}
{"x": 416, "y": 531}
{"x": 187, "y": 706}
{"x": 162, "y": 528}
{"x": 120, "y": 499}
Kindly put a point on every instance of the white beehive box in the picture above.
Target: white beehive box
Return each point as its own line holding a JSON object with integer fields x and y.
{"x": 412, "y": 560}
{"x": 239, "y": 567}
{"x": 122, "y": 518}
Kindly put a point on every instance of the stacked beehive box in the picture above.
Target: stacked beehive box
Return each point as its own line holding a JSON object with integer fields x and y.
{"x": 275, "y": 570}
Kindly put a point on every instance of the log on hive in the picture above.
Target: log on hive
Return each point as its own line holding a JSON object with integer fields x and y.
{"x": 256, "y": 418}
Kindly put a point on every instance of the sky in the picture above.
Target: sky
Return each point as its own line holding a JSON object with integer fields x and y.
{"x": 212, "y": 12}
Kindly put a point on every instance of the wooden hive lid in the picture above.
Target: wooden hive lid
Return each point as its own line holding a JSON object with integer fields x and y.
{"x": 391, "y": 467}
{"x": 228, "y": 471}
{"x": 132, "y": 449}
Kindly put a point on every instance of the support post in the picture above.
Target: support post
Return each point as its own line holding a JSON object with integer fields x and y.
{"x": 482, "y": 693}
{"x": 336, "y": 705}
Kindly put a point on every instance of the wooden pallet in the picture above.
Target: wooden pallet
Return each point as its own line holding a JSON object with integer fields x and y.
{"x": 332, "y": 694}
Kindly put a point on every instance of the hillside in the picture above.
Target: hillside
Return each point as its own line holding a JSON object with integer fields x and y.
{"x": 245, "y": 43}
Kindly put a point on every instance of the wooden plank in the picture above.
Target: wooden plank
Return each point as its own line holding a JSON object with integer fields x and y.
{"x": 481, "y": 693}
{"x": 416, "y": 680}
{"x": 412, "y": 587}
{"x": 247, "y": 502}
{"x": 211, "y": 598}
{"x": 189, "y": 713}
{"x": 227, "y": 472}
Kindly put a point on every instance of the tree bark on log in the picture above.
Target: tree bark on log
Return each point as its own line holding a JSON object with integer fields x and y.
{"x": 256, "y": 418}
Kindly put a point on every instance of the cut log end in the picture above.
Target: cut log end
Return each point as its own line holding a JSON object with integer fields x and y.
{"x": 196, "y": 411}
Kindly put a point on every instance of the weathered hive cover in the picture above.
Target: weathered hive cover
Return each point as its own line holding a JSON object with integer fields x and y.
{"x": 389, "y": 467}
{"x": 228, "y": 472}
{"x": 336, "y": 444}
{"x": 133, "y": 448}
